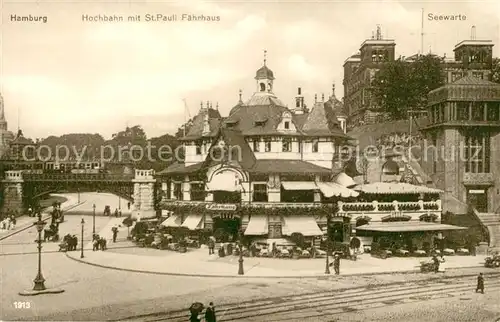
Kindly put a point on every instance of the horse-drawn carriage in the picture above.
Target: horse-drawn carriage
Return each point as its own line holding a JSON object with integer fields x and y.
{"x": 51, "y": 233}
{"x": 107, "y": 211}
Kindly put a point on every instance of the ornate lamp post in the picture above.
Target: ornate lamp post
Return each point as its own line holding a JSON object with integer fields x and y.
{"x": 83, "y": 224}
{"x": 93, "y": 220}
{"x": 240, "y": 260}
{"x": 39, "y": 280}
{"x": 39, "y": 287}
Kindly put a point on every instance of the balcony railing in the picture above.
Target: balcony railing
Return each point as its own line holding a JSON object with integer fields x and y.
{"x": 247, "y": 204}
{"x": 375, "y": 206}
{"x": 76, "y": 177}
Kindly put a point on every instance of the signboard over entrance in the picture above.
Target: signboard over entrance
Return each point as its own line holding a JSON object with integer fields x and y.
{"x": 221, "y": 207}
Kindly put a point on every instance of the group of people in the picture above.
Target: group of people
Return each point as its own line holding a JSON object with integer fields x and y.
{"x": 438, "y": 264}
{"x": 210, "y": 315}
{"x": 71, "y": 242}
{"x": 9, "y": 222}
{"x": 98, "y": 243}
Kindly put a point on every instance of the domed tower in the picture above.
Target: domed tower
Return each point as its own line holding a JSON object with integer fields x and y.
{"x": 264, "y": 78}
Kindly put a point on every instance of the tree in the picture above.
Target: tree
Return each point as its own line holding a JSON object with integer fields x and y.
{"x": 495, "y": 75}
{"x": 401, "y": 86}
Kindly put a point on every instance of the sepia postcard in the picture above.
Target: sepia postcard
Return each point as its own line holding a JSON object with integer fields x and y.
{"x": 241, "y": 160}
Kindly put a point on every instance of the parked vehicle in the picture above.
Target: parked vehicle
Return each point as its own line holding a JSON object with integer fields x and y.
{"x": 492, "y": 261}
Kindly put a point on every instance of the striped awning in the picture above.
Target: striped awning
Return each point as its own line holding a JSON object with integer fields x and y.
{"x": 172, "y": 221}
{"x": 306, "y": 226}
{"x": 193, "y": 222}
{"x": 257, "y": 226}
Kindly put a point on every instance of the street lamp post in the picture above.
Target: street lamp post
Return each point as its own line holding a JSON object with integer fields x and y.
{"x": 39, "y": 280}
{"x": 39, "y": 287}
{"x": 83, "y": 224}
{"x": 78, "y": 195}
{"x": 119, "y": 202}
{"x": 93, "y": 220}
{"x": 327, "y": 264}
{"x": 240, "y": 260}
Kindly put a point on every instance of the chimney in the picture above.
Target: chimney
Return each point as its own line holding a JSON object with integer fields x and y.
{"x": 299, "y": 91}
{"x": 323, "y": 97}
{"x": 315, "y": 98}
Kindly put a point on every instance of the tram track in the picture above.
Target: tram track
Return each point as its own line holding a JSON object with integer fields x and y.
{"x": 326, "y": 303}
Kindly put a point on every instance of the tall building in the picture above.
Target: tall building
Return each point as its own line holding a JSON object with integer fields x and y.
{"x": 359, "y": 72}
{"x": 472, "y": 57}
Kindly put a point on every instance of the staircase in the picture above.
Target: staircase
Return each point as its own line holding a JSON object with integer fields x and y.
{"x": 492, "y": 222}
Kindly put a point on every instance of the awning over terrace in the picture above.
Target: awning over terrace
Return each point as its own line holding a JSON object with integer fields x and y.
{"x": 172, "y": 221}
{"x": 394, "y": 188}
{"x": 307, "y": 226}
{"x": 257, "y": 226}
{"x": 407, "y": 227}
{"x": 193, "y": 222}
{"x": 330, "y": 189}
{"x": 299, "y": 185}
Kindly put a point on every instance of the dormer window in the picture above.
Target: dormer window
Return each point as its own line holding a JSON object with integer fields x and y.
{"x": 231, "y": 123}
{"x": 287, "y": 125}
{"x": 260, "y": 122}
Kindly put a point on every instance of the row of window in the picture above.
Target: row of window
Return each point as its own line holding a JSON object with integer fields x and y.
{"x": 465, "y": 111}
{"x": 477, "y": 154}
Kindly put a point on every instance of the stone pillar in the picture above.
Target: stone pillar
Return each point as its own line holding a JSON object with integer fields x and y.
{"x": 144, "y": 194}
{"x": 186, "y": 189}
{"x": 13, "y": 192}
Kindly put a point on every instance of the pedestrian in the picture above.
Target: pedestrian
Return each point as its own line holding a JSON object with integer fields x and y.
{"x": 95, "y": 242}
{"x": 210, "y": 313}
{"x": 8, "y": 223}
{"x": 115, "y": 233}
{"x": 480, "y": 283}
{"x": 128, "y": 205}
{"x": 336, "y": 264}
{"x": 436, "y": 263}
{"x": 13, "y": 221}
{"x": 211, "y": 246}
{"x": 119, "y": 212}
{"x": 116, "y": 212}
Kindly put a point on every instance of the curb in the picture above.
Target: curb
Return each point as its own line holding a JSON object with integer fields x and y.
{"x": 43, "y": 219}
{"x": 254, "y": 277}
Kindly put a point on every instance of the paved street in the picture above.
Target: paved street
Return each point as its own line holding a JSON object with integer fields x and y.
{"x": 93, "y": 293}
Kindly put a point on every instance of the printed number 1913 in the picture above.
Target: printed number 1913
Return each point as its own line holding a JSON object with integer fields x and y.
{"x": 22, "y": 305}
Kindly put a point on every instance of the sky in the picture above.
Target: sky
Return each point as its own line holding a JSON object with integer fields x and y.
{"x": 71, "y": 76}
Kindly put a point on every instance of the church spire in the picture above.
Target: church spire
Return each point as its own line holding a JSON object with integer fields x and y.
{"x": 241, "y": 92}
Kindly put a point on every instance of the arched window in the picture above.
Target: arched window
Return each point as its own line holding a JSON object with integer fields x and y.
{"x": 269, "y": 87}
{"x": 390, "y": 168}
{"x": 262, "y": 87}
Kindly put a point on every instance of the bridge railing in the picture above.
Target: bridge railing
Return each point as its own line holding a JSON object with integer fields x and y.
{"x": 76, "y": 177}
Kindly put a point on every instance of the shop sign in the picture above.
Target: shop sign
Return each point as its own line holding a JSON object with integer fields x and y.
{"x": 221, "y": 207}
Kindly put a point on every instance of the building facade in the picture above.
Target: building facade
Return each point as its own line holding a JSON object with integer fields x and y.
{"x": 472, "y": 57}
{"x": 465, "y": 129}
{"x": 262, "y": 155}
